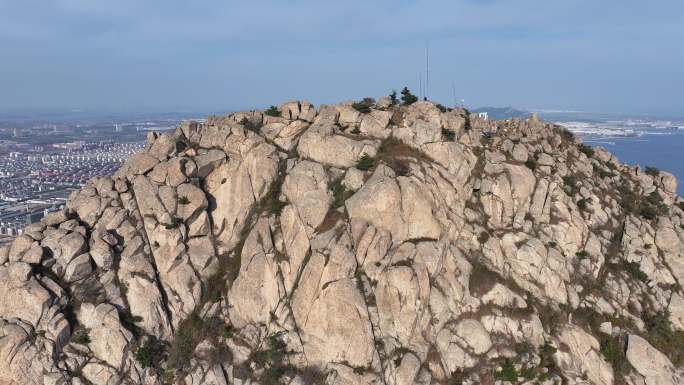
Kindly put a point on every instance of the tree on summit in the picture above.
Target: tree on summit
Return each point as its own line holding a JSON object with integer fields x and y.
{"x": 407, "y": 97}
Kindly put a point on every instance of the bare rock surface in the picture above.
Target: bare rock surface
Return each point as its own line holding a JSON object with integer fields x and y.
{"x": 356, "y": 243}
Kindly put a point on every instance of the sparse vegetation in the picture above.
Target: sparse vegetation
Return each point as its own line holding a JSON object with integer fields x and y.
{"x": 173, "y": 224}
{"x": 183, "y": 200}
{"x": 507, "y": 372}
{"x": 613, "y": 349}
{"x": 570, "y": 183}
{"x": 272, "y": 359}
{"x": 364, "y": 106}
{"x": 151, "y": 353}
{"x": 393, "y": 98}
{"x": 583, "y": 204}
{"x": 80, "y": 336}
{"x": 251, "y": 126}
{"x": 634, "y": 270}
{"x": 340, "y": 193}
{"x": 441, "y": 108}
{"x": 449, "y": 135}
{"x": 365, "y": 163}
{"x": 567, "y": 134}
{"x": 582, "y": 254}
{"x": 663, "y": 338}
{"x": 407, "y": 97}
{"x": 603, "y": 173}
{"x": 189, "y": 333}
{"x": 531, "y": 164}
{"x": 272, "y": 111}
{"x": 652, "y": 171}
{"x": 227, "y": 331}
{"x": 586, "y": 150}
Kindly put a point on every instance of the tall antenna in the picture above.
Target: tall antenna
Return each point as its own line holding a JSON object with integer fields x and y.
{"x": 420, "y": 84}
{"x": 453, "y": 91}
{"x": 427, "y": 68}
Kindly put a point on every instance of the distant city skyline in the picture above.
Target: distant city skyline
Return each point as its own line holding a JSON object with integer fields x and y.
{"x": 610, "y": 56}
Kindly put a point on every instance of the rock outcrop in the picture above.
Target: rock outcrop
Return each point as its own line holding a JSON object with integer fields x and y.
{"x": 353, "y": 244}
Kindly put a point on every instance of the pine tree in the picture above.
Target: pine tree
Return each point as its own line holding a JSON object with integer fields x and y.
{"x": 407, "y": 97}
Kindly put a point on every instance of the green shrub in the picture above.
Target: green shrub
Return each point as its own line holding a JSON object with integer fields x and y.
{"x": 173, "y": 224}
{"x": 586, "y": 150}
{"x": 507, "y": 372}
{"x": 648, "y": 212}
{"x": 364, "y": 106}
{"x": 601, "y": 172}
{"x": 365, "y": 163}
{"x": 441, "y": 108}
{"x": 569, "y": 180}
{"x": 393, "y": 97}
{"x": 613, "y": 350}
{"x": 448, "y": 135}
{"x": 227, "y": 331}
{"x": 663, "y": 338}
{"x": 483, "y": 237}
{"x": 272, "y": 111}
{"x": 531, "y": 164}
{"x": 634, "y": 270}
{"x": 652, "y": 171}
{"x": 340, "y": 193}
{"x": 249, "y": 125}
{"x": 151, "y": 353}
{"x": 583, "y": 204}
{"x": 80, "y": 336}
{"x": 183, "y": 200}
{"x": 407, "y": 97}
{"x": 567, "y": 134}
{"x": 570, "y": 183}
{"x": 272, "y": 359}
{"x": 190, "y": 332}
{"x": 582, "y": 254}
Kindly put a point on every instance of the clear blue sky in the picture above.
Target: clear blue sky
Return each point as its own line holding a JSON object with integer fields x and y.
{"x": 589, "y": 55}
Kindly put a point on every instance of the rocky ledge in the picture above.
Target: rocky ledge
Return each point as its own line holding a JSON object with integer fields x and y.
{"x": 358, "y": 243}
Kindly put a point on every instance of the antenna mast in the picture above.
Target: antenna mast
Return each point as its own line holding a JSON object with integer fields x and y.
{"x": 427, "y": 69}
{"x": 420, "y": 84}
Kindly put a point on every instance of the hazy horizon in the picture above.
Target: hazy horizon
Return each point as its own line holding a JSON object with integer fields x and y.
{"x": 613, "y": 56}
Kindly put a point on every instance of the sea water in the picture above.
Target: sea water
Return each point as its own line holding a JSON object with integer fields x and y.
{"x": 663, "y": 149}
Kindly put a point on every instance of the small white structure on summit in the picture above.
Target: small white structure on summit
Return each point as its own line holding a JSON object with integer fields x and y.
{"x": 483, "y": 115}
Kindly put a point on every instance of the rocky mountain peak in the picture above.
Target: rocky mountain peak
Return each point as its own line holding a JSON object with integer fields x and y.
{"x": 358, "y": 243}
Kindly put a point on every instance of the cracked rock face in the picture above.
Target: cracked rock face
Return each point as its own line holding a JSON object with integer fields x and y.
{"x": 387, "y": 245}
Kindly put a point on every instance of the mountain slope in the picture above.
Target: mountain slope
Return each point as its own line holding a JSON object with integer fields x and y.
{"x": 397, "y": 245}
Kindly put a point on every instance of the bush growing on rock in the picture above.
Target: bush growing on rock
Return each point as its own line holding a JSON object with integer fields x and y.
{"x": 634, "y": 270}
{"x": 652, "y": 171}
{"x": 365, "y": 163}
{"x": 407, "y": 97}
{"x": 340, "y": 193}
{"x": 175, "y": 222}
{"x": 251, "y": 126}
{"x": 508, "y": 372}
{"x": 449, "y": 135}
{"x": 364, "y": 106}
{"x": 80, "y": 336}
{"x": 586, "y": 150}
{"x": 272, "y": 111}
{"x": 151, "y": 353}
{"x": 663, "y": 337}
{"x": 183, "y": 200}
{"x": 393, "y": 98}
